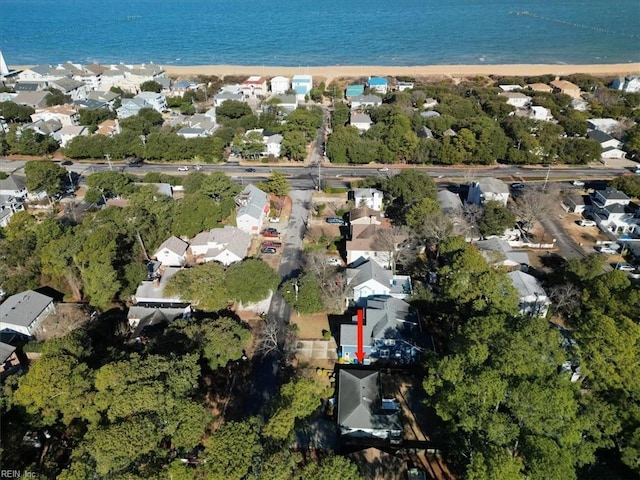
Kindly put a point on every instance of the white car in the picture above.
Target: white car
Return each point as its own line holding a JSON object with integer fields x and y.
{"x": 587, "y": 223}
{"x": 625, "y": 267}
{"x": 383, "y": 169}
{"x": 334, "y": 262}
{"x": 183, "y": 169}
{"x": 577, "y": 183}
{"x": 274, "y": 220}
{"x": 607, "y": 250}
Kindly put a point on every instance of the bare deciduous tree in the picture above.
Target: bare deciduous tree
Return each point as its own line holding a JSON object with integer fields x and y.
{"x": 388, "y": 240}
{"x": 333, "y": 282}
{"x": 565, "y": 297}
{"x": 268, "y": 336}
{"x": 533, "y": 205}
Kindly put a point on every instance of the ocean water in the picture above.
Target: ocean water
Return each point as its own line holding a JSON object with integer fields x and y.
{"x": 313, "y": 33}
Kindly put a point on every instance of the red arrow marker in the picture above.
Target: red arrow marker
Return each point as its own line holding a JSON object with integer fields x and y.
{"x": 360, "y": 350}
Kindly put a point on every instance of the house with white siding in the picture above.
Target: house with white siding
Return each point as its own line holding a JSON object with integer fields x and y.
{"x": 226, "y": 245}
{"x": 253, "y": 207}
{"x": 24, "y": 312}
{"x": 172, "y": 252}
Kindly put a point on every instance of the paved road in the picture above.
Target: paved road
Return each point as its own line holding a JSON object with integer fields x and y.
{"x": 265, "y": 378}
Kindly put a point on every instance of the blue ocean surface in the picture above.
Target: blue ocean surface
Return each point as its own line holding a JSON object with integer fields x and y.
{"x": 314, "y": 33}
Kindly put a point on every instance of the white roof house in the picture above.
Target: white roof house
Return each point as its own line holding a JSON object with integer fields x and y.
{"x": 537, "y": 112}
{"x": 533, "y": 299}
{"x": 172, "y": 252}
{"x": 151, "y": 292}
{"x": 361, "y": 121}
{"x": 253, "y": 208}
{"x": 280, "y": 85}
{"x": 369, "y": 197}
{"x": 24, "y": 311}
{"x": 606, "y": 125}
{"x": 487, "y": 189}
{"x": 516, "y": 99}
{"x": 225, "y": 245}
{"x": 254, "y": 86}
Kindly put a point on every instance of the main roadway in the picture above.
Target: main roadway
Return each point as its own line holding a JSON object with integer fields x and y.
{"x": 306, "y": 176}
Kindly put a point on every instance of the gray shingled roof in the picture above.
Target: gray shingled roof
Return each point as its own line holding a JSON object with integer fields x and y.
{"x": 13, "y": 182}
{"x": 360, "y": 402}
{"x": 501, "y": 250}
{"x": 526, "y": 285}
{"x": 175, "y": 245}
{"x": 5, "y": 351}
{"x": 23, "y": 308}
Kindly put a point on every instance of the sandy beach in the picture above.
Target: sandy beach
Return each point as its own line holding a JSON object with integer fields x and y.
{"x": 337, "y": 71}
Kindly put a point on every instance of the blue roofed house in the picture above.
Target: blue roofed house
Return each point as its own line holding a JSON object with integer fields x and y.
{"x": 363, "y": 413}
{"x": 353, "y": 91}
{"x": 24, "y": 312}
{"x": 253, "y": 208}
{"x": 378, "y": 84}
{"x": 302, "y": 85}
{"x": 390, "y": 327}
{"x": 369, "y": 279}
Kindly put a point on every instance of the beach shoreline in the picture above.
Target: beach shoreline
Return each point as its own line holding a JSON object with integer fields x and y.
{"x": 330, "y": 72}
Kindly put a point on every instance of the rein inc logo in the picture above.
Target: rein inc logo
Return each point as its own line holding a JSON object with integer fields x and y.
{"x": 5, "y": 473}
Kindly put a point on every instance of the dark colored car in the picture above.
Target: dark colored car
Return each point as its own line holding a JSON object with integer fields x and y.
{"x": 517, "y": 185}
{"x": 136, "y": 162}
{"x": 270, "y": 232}
{"x": 250, "y": 170}
{"x": 66, "y": 163}
{"x": 269, "y": 250}
{"x": 335, "y": 220}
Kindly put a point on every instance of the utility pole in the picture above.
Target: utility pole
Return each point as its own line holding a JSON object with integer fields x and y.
{"x": 546, "y": 179}
{"x": 108, "y": 157}
{"x": 319, "y": 174}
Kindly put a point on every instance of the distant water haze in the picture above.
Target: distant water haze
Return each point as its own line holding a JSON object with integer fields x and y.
{"x": 311, "y": 33}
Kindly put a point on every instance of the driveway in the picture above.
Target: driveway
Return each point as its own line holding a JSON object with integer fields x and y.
{"x": 264, "y": 381}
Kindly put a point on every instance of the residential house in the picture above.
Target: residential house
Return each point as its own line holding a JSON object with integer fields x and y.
{"x": 192, "y": 132}
{"x": 130, "y": 107}
{"x": 613, "y": 212}
{"x": 364, "y": 415}
{"x": 302, "y": 85}
{"x": 157, "y": 101}
{"x": 253, "y": 208}
{"x": 362, "y": 411}
{"x": 361, "y": 121}
{"x": 141, "y": 318}
{"x": 450, "y": 203}
{"x": 540, "y": 87}
{"x": 255, "y": 86}
{"x": 13, "y": 186}
{"x": 109, "y": 128}
{"x": 378, "y": 84}
{"x": 220, "y": 98}
{"x": 389, "y": 332}
{"x": 90, "y": 104}
{"x": 8, "y": 206}
{"x": 285, "y": 103}
{"x": 5, "y": 73}
{"x": 178, "y": 89}
{"x": 539, "y": 113}
{"x": 369, "y": 279}
{"x": 579, "y": 104}
{"x": 151, "y": 293}
{"x": 24, "y": 312}
{"x": 606, "y": 125}
{"x": 9, "y": 361}
{"x": 280, "y": 85}
{"x": 566, "y": 87}
{"x": 38, "y": 73}
{"x": 573, "y": 203}
{"x": 236, "y": 89}
{"x": 516, "y": 99}
{"x": 365, "y": 101}
{"x": 68, "y": 86}
{"x": 611, "y": 147}
{"x": 533, "y": 300}
{"x": 353, "y": 91}
{"x": 430, "y": 103}
{"x": 198, "y": 125}
{"x": 402, "y": 86}
{"x": 107, "y": 97}
{"x": 630, "y": 83}
{"x": 499, "y": 253}
{"x": 130, "y": 77}
{"x": 486, "y": 189}
{"x": 65, "y": 114}
{"x": 225, "y": 245}
{"x": 369, "y": 197}
{"x": 43, "y": 127}
{"x": 172, "y": 252}
{"x": 429, "y": 114}
{"x": 510, "y": 88}
{"x": 29, "y": 86}
{"x": 272, "y": 142}
{"x": 424, "y": 132}
{"x": 365, "y": 216}
{"x": 375, "y": 242}
{"x": 32, "y": 99}
{"x": 66, "y": 134}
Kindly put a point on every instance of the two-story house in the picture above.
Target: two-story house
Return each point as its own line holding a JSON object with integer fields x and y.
{"x": 225, "y": 245}
{"x": 369, "y": 279}
{"x": 487, "y": 189}
{"x": 532, "y": 299}
{"x": 367, "y": 197}
{"x": 613, "y": 212}
{"x": 365, "y": 101}
{"x": 172, "y": 252}
{"x": 253, "y": 208}
{"x": 280, "y": 85}
{"x": 24, "y": 312}
{"x": 254, "y": 86}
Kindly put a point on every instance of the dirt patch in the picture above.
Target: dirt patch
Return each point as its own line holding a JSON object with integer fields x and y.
{"x": 65, "y": 318}
{"x": 310, "y": 326}
{"x": 585, "y": 237}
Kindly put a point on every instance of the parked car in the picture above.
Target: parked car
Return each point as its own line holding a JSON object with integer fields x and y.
{"x": 606, "y": 250}
{"x": 625, "y": 267}
{"x": 335, "y": 262}
{"x": 249, "y": 170}
{"x": 66, "y": 163}
{"x": 183, "y": 169}
{"x": 383, "y": 169}
{"x": 198, "y": 167}
{"x": 587, "y": 223}
{"x": 517, "y": 185}
{"x": 270, "y": 232}
{"x": 270, "y": 244}
{"x": 274, "y": 220}
{"x": 335, "y": 220}
{"x": 577, "y": 183}
{"x": 135, "y": 162}
{"x": 268, "y": 250}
